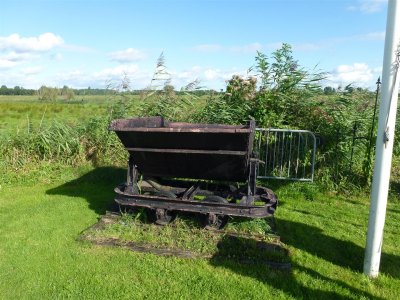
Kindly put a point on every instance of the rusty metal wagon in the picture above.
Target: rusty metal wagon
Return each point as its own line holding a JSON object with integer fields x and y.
{"x": 202, "y": 168}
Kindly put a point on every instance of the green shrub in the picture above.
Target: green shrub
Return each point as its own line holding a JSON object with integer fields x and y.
{"x": 62, "y": 143}
{"x": 47, "y": 93}
{"x": 288, "y": 96}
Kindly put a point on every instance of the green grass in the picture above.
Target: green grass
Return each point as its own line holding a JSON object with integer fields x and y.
{"x": 41, "y": 257}
{"x": 23, "y": 113}
{"x": 26, "y": 113}
{"x": 187, "y": 234}
{"x": 45, "y": 207}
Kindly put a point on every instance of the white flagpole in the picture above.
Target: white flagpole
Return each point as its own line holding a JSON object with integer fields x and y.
{"x": 384, "y": 141}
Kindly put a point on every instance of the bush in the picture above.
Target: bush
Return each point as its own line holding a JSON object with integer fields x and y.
{"x": 62, "y": 143}
{"x": 288, "y": 96}
{"x": 284, "y": 88}
{"x": 47, "y": 93}
{"x": 165, "y": 103}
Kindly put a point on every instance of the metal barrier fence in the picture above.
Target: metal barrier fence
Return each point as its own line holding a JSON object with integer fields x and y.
{"x": 286, "y": 154}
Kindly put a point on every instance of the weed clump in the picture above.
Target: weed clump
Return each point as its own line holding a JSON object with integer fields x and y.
{"x": 61, "y": 143}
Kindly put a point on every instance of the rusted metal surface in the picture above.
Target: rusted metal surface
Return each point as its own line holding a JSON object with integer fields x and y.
{"x": 201, "y": 151}
{"x": 161, "y": 149}
{"x": 266, "y": 207}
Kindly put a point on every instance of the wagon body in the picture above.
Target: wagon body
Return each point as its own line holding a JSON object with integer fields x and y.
{"x": 170, "y": 150}
{"x": 185, "y": 150}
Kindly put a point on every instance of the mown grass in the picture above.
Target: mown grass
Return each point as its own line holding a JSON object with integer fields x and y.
{"x": 40, "y": 256}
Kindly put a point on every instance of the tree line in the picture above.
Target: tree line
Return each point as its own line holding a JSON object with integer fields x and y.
{"x": 50, "y": 93}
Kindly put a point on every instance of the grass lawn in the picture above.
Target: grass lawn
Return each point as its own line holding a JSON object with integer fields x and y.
{"x": 40, "y": 256}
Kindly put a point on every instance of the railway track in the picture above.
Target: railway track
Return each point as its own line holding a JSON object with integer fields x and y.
{"x": 264, "y": 244}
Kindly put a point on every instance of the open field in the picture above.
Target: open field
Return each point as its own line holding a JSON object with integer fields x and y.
{"x": 22, "y": 113}
{"x": 17, "y": 113}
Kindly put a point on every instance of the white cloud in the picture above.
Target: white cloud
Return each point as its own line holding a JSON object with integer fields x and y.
{"x": 118, "y": 71}
{"x": 19, "y": 57}
{"x": 372, "y": 36}
{"x": 187, "y": 75}
{"x": 211, "y": 74}
{"x": 43, "y": 42}
{"x": 128, "y": 55}
{"x": 377, "y": 70}
{"x": 6, "y": 63}
{"x": 79, "y": 79}
{"x": 56, "y": 56}
{"x": 309, "y": 46}
{"x": 35, "y": 76}
{"x": 365, "y": 37}
{"x": 208, "y": 48}
{"x": 329, "y": 43}
{"x": 305, "y": 46}
{"x": 32, "y": 70}
{"x": 359, "y": 74}
{"x": 250, "y": 48}
{"x": 18, "y": 77}
{"x": 368, "y": 6}
{"x": 77, "y": 48}
{"x": 12, "y": 59}
{"x": 273, "y": 46}
{"x": 210, "y": 78}
{"x": 15, "y": 49}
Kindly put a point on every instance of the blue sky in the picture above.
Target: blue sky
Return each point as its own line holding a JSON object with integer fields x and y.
{"x": 87, "y": 43}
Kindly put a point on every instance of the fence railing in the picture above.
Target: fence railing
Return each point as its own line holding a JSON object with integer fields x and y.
{"x": 286, "y": 154}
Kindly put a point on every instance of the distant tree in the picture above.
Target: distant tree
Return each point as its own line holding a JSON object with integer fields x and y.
{"x": 4, "y": 90}
{"x": 349, "y": 89}
{"x": 328, "y": 90}
{"x": 169, "y": 90}
{"x": 67, "y": 93}
{"x": 47, "y": 93}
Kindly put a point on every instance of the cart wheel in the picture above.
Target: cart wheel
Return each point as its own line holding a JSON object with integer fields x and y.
{"x": 213, "y": 220}
{"x": 164, "y": 216}
{"x": 270, "y": 198}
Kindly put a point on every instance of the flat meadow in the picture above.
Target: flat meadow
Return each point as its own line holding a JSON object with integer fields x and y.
{"x": 46, "y": 207}
{"x": 17, "y": 113}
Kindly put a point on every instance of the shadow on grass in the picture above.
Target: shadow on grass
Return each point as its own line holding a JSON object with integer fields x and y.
{"x": 96, "y": 186}
{"x": 339, "y": 252}
{"x": 309, "y": 239}
{"x": 394, "y": 187}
